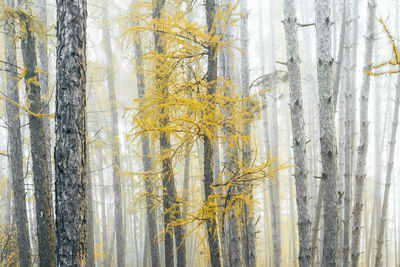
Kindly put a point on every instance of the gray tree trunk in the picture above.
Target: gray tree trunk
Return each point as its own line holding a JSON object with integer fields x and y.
{"x": 44, "y": 88}
{"x": 327, "y": 133}
{"x": 171, "y": 206}
{"x": 115, "y": 158}
{"x": 70, "y": 148}
{"x": 299, "y": 147}
{"x": 274, "y": 146}
{"x": 41, "y": 178}
{"x": 385, "y": 204}
{"x": 249, "y": 233}
{"x": 208, "y": 141}
{"x": 147, "y": 167}
{"x": 90, "y": 212}
{"x": 363, "y": 145}
{"x": 15, "y": 146}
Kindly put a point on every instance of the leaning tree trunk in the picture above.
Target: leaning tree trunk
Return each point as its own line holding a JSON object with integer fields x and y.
{"x": 70, "y": 148}
{"x": 392, "y": 143}
{"x": 208, "y": 170}
{"x": 151, "y": 217}
{"x": 299, "y": 147}
{"x": 115, "y": 157}
{"x": 363, "y": 145}
{"x": 41, "y": 178}
{"x": 327, "y": 133}
{"x": 15, "y": 145}
{"x": 171, "y": 206}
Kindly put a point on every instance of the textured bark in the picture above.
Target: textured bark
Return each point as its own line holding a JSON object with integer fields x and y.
{"x": 363, "y": 145}
{"x": 316, "y": 224}
{"x": 297, "y": 117}
{"x": 385, "y": 204}
{"x": 327, "y": 133}
{"x": 208, "y": 170}
{"x": 171, "y": 207}
{"x": 151, "y": 217}
{"x": 70, "y": 148}
{"x": 249, "y": 233}
{"x": 115, "y": 157}
{"x": 15, "y": 147}
{"x": 41, "y": 178}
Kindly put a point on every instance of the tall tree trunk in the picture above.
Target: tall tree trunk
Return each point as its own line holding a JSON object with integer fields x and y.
{"x": 45, "y": 221}
{"x": 299, "y": 147}
{"x": 208, "y": 170}
{"x": 115, "y": 157}
{"x": 171, "y": 206}
{"x": 363, "y": 145}
{"x": 44, "y": 88}
{"x": 327, "y": 133}
{"x": 274, "y": 149}
{"x": 70, "y": 149}
{"x": 151, "y": 217}
{"x": 15, "y": 146}
{"x": 249, "y": 237}
{"x": 392, "y": 142}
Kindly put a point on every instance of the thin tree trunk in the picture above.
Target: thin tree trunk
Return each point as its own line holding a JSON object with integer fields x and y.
{"x": 315, "y": 227}
{"x": 116, "y": 162}
{"x": 363, "y": 145}
{"x": 44, "y": 87}
{"x": 249, "y": 237}
{"x": 208, "y": 170}
{"x": 15, "y": 148}
{"x": 392, "y": 142}
{"x": 151, "y": 217}
{"x": 327, "y": 133}
{"x": 70, "y": 148}
{"x": 45, "y": 220}
{"x": 171, "y": 206}
{"x": 299, "y": 147}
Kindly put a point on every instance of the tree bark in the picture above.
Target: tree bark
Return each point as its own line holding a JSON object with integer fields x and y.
{"x": 208, "y": 170}
{"x": 41, "y": 178}
{"x": 327, "y": 133}
{"x": 70, "y": 148}
{"x": 363, "y": 145}
{"x": 299, "y": 147}
{"x": 15, "y": 146}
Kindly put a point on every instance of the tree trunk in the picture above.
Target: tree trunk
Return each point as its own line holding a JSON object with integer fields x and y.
{"x": 90, "y": 212}
{"x": 299, "y": 147}
{"x": 44, "y": 87}
{"x": 70, "y": 148}
{"x": 327, "y": 133}
{"x": 15, "y": 147}
{"x": 274, "y": 149}
{"x": 208, "y": 170}
{"x": 363, "y": 145}
{"x": 45, "y": 220}
{"x": 171, "y": 206}
{"x": 392, "y": 142}
{"x": 115, "y": 158}
{"x": 249, "y": 233}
